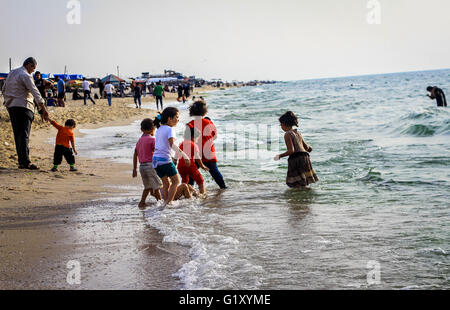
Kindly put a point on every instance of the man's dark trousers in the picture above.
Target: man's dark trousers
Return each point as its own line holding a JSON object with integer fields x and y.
{"x": 21, "y": 120}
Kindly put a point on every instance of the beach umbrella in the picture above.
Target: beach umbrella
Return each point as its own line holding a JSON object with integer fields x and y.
{"x": 112, "y": 79}
{"x": 77, "y": 83}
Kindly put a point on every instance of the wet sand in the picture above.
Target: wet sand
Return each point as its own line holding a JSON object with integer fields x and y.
{"x": 48, "y": 219}
{"x": 114, "y": 246}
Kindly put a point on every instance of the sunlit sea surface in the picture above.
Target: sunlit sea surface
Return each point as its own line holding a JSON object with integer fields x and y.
{"x": 382, "y": 154}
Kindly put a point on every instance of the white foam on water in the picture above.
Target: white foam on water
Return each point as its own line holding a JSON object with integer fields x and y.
{"x": 214, "y": 263}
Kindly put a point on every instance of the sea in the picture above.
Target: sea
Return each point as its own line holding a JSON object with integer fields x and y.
{"x": 377, "y": 219}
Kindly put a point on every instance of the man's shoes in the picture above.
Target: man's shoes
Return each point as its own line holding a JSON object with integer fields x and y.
{"x": 29, "y": 167}
{"x": 73, "y": 169}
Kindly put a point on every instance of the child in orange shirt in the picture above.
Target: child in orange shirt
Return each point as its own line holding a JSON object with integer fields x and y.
{"x": 64, "y": 138}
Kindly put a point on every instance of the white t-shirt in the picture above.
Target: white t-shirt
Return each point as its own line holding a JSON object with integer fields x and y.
{"x": 162, "y": 154}
{"x": 85, "y": 85}
{"x": 109, "y": 89}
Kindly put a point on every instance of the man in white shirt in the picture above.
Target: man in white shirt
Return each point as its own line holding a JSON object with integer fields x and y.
{"x": 21, "y": 96}
{"x": 109, "y": 89}
{"x": 87, "y": 91}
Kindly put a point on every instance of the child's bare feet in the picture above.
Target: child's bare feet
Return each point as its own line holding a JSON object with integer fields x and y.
{"x": 142, "y": 205}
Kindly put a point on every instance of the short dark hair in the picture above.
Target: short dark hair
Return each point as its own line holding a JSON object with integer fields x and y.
{"x": 429, "y": 88}
{"x": 289, "y": 119}
{"x": 147, "y": 124}
{"x": 199, "y": 108}
{"x": 191, "y": 133}
{"x": 30, "y": 60}
{"x": 70, "y": 122}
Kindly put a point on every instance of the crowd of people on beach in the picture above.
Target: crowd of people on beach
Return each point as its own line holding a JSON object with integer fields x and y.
{"x": 159, "y": 171}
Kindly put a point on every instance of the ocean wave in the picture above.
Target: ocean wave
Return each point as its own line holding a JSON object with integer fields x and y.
{"x": 210, "y": 267}
{"x": 424, "y": 114}
{"x": 420, "y": 130}
{"x": 372, "y": 176}
{"x": 422, "y": 123}
{"x": 434, "y": 251}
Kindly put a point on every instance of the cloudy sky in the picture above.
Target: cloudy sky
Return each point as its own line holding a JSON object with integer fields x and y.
{"x": 229, "y": 39}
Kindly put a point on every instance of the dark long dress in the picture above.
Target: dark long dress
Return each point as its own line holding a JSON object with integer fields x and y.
{"x": 300, "y": 172}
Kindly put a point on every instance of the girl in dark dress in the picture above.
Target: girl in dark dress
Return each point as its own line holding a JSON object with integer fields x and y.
{"x": 300, "y": 172}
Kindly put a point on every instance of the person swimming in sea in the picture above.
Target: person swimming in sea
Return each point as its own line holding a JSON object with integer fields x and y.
{"x": 438, "y": 94}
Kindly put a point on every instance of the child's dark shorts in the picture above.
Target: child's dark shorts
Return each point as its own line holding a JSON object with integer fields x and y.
{"x": 167, "y": 170}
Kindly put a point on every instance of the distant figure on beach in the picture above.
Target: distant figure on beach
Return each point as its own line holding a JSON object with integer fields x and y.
{"x": 64, "y": 139}
{"x": 41, "y": 84}
{"x": 87, "y": 91}
{"x": 300, "y": 172}
{"x": 189, "y": 146}
{"x": 76, "y": 95}
{"x": 180, "y": 94}
{"x": 143, "y": 89}
{"x": 122, "y": 89}
{"x": 158, "y": 92}
{"x": 162, "y": 160}
{"x": 187, "y": 90}
{"x": 101, "y": 87}
{"x": 109, "y": 90}
{"x": 150, "y": 89}
{"x": 21, "y": 96}
{"x": 145, "y": 147}
{"x": 61, "y": 86}
{"x": 52, "y": 101}
{"x": 209, "y": 133}
{"x": 438, "y": 94}
{"x": 137, "y": 96}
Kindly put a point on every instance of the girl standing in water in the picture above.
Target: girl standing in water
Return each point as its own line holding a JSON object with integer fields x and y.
{"x": 162, "y": 159}
{"x": 300, "y": 172}
{"x": 206, "y": 144}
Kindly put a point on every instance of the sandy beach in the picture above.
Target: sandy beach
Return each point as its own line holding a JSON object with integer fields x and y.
{"x": 47, "y": 219}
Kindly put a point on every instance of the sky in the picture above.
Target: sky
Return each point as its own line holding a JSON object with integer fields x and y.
{"x": 228, "y": 39}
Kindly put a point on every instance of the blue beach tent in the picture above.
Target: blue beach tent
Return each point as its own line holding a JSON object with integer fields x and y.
{"x": 69, "y": 76}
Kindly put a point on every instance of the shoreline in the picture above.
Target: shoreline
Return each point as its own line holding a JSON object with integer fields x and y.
{"x": 40, "y": 230}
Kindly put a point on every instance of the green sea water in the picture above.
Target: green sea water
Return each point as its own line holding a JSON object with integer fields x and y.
{"x": 377, "y": 219}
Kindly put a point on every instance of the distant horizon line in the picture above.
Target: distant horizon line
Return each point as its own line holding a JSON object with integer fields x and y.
{"x": 365, "y": 74}
{"x": 310, "y": 79}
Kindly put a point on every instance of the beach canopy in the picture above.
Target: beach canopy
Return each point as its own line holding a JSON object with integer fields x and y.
{"x": 112, "y": 79}
{"x": 69, "y": 76}
{"x": 167, "y": 79}
{"x": 77, "y": 83}
{"x": 45, "y": 76}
